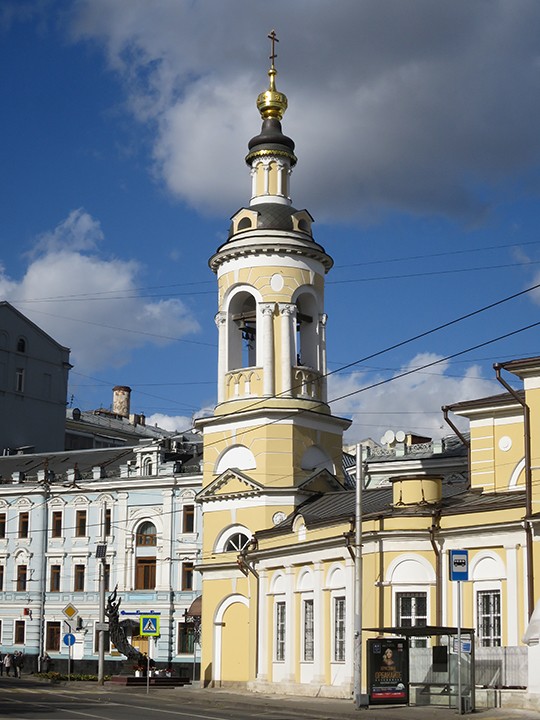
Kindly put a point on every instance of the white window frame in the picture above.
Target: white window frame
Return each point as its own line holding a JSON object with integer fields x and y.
{"x": 413, "y": 593}
{"x": 339, "y": 628}
{"x": 308, "y": 653}
{"x": 280, "y": 627}
{"x": 491, "y": 590}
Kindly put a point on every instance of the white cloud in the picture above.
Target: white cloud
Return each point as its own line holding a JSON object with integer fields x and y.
{"x": 108, "y": 320}
{"x": 172, "y": 423}
{"x": 417, "y": 106}
{"x": 411, "y": 403}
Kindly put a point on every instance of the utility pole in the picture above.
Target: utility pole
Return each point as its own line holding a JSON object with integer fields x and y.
{"x": 101, "y": 554}
{"x": 358, "y": 580}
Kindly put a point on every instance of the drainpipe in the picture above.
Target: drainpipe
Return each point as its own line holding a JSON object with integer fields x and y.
{"x": 435, "y": 527}
{"x": 528, "y": 486}
{"x": 246, "y": 568}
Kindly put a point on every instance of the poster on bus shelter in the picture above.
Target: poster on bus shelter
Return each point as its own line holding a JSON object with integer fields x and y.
{"x": 388, "y": 671}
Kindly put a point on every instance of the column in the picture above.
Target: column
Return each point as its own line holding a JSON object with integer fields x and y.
{"x": 221, "y": 322}
{"x": 267, "y": 312}
{"x": 322, "y": 355}
{"x": 288, "y": 317}
{"x": 262, "y": 674}
{"x": 320, "y": 628}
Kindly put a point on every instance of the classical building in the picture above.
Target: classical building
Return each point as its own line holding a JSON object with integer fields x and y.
{"x": 33, "y": 385}
{"x": 56, "y": 509}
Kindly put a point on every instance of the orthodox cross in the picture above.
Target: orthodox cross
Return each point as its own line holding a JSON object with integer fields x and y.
{"x": 273, "y": 39}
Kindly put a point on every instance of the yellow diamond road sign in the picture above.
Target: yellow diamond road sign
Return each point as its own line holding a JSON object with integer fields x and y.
{"x": 149, "y": 625}
{"x": 70, "y": 611}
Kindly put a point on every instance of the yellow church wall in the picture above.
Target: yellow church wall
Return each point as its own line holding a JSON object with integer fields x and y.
{"x": 259, "y": 277}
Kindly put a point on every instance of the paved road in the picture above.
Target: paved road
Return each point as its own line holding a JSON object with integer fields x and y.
{"x": 31, "y": 700}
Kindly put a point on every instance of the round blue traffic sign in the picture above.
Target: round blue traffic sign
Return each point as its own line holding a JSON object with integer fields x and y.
{"x": 69, "y": 639}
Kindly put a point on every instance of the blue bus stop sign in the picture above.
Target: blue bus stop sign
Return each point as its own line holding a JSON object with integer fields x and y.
{"x": 69, "y": 639}
{"x": 459, "y": 565}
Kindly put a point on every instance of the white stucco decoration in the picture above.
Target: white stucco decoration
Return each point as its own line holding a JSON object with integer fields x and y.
{"x": 516, "y": 475}
{"x": 316, "y": 459}
{"x": 305, "y": 581}
{"x": 276, "y": 282}
{"x": 336, "y": 578}
{"x": 487, "y": 566}
{"x": 505, "y": 443}
{"x": 278, "y": 584}
{"x": 237, "y": 456}
{"x": 410, "y": 569}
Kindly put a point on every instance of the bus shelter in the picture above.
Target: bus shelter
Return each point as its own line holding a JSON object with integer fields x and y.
{"x": 439, "y": 671}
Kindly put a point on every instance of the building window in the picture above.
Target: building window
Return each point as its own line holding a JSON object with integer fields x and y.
{"x": 280, "y": 631}
{"x": 78, "y": 578}
{"x": 108, "y": 522}
{"x": 185, "y": 638}
{"x": 52, "y": 636}
{"x": 236, "y": 542}
{"x": 21, "y": 345}
{"x": 55, "y": 578}
{"x": 145, "y": 574}
{"x": 19, "y": 633}
{"x": 23, "y": 524}
{"x": 187, "y": 576}
{"x": 308, "y": 631}
{"x": 21, "y": 578}
{"x": 56, "y": 525}
{"x": 146, "y": 534}
{"x": 80, "y": 523}
{"x": 411, "y": 611}
{"x": 339, "y": 629}
{"x": 19, "y": 380}
{"x": 189, "y": 519}
{"x": 1, "y": 578}
{"x": 488, "y": 618}
{"x": 2, "y": 525}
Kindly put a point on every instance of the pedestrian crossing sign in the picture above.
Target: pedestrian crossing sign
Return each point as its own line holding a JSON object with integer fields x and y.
{"x": 149, "y": 625}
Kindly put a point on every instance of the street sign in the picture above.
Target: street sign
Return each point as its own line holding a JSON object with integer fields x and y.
{"x": 459, "y": 565}
{"x": 69, "y": 639}
{"x": 70, "y": 611}
{"x": 149, "y": 625}
{"x": 101, "y": 626}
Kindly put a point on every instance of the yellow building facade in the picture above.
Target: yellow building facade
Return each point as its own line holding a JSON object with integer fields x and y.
{"x": 278, "y": 562}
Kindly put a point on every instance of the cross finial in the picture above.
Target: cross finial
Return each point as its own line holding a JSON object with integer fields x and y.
{"x": 273, "y": 39}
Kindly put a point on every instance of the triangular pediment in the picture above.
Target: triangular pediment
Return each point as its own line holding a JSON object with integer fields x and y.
{"x": 322, "y": 481}
{"x": 231, "y": 483}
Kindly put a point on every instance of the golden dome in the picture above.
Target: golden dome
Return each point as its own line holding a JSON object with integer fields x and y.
{"x": 271, "y": 103}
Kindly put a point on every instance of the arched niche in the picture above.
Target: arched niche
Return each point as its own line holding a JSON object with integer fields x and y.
{"x": 314, "y": 458}
{"x": 237, "y": 456}
{"x": 410, "y": 570}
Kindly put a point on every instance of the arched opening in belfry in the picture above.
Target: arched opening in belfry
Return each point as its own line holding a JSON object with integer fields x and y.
{"x": 242, "y": 326}
{"x": 306, "y": 331}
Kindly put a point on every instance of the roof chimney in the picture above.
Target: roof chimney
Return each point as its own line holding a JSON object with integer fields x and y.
{"x": 121, "y": 398}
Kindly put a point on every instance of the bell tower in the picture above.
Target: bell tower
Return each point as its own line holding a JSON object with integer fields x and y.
{"x": 272, "y": 440}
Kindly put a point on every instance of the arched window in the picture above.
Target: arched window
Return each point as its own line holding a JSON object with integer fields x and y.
{"x": 236, "y": 542}
{"x": 146, "y": 534}
{"x": 242, "y": 322}
{"x": 147, "y": 466}
{"x": 21, "y": 345}
{"x": 306, "y": 331}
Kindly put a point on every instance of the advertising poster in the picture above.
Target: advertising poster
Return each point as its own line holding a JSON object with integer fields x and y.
{"x": 388, "y": 671}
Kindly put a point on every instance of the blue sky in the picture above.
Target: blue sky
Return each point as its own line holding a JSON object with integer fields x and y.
{"x": 123, "y": 132}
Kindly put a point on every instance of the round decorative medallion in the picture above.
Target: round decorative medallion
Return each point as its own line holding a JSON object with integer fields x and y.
{"x": 505, "y": 443}
{"x": 278, "y": 517}
{"x": 276, "y": 282}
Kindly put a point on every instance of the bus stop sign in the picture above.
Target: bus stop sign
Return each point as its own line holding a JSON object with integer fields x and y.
{"x": 459, "y": 565}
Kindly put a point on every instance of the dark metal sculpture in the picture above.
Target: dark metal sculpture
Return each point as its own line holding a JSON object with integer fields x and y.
{"x": 118, "y": 634}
